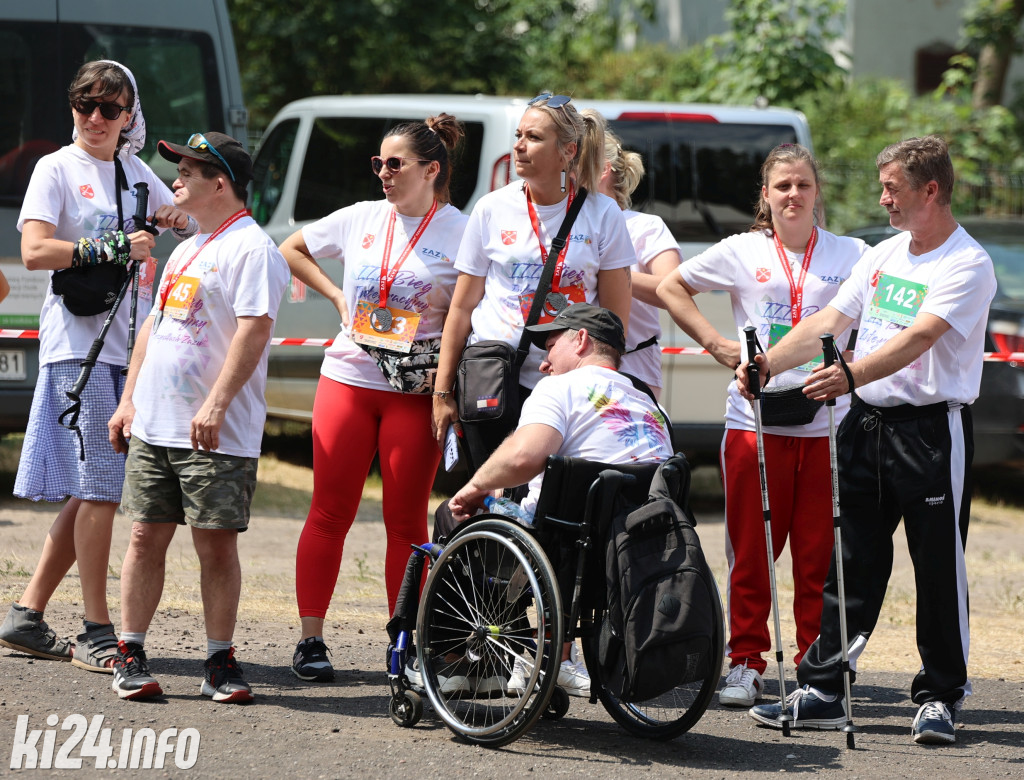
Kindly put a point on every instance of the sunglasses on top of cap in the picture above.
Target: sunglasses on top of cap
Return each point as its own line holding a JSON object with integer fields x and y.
{"x": 109, "y": 111}
{"x": 553, "y": 101}
{"x": 394, "y": 164}
{"x": 198, "y": 142}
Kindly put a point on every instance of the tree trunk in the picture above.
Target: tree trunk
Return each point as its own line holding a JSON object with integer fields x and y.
{"x": 994, "y": 58}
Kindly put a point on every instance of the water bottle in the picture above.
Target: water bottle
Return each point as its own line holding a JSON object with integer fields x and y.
{"x": 508, "y": 508}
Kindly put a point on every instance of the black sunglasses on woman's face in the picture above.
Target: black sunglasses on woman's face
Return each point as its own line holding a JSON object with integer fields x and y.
{"x": 109, "y": 111}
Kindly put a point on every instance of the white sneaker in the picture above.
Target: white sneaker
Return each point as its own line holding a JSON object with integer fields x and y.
{"x": 573, "y": 675}
{"x": 742, "y": 687}
{"x": 517, "y": 680}
{"x": 451, "y": 676}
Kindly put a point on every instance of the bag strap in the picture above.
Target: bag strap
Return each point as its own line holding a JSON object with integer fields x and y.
{"x": 544, "y": 286}
{"x": 643, "y": 387}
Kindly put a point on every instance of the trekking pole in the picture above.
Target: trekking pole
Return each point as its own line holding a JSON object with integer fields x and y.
{"x": 754, "y": 380}
{"x": 829, "y": 347}
{"x": 141, "y": 207}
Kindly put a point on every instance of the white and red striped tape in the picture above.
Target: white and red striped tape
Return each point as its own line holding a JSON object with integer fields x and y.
{"x": 11, "y": 333}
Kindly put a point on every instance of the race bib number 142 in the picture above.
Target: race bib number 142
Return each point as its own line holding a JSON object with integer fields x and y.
{"x": 897, "y": 300}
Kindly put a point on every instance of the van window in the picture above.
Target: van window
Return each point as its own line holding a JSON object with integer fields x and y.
{"x": 336, "y": 167}
{"x": 270, "y": 168}
{"x": 701, "y": 175}
{"x": 176, "y": 72}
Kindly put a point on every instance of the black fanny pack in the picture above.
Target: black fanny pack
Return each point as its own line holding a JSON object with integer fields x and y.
{"x": 89, "y": 290}
{"x": 788, "y": 406}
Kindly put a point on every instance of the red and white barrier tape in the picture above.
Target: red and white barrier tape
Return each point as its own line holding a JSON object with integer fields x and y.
{"x": 10, "y": 333}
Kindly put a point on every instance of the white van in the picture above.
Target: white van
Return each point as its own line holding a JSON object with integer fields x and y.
{"x": 183, "y": 58}
{"x": 702, "y": 170}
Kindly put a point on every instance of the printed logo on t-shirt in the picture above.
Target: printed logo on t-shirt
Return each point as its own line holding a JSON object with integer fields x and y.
{"x": 368, "y": 240}
{"x": 763, "y": 274}
{"x": 86, "y": 190}
{"x": 874, "y": 281}
{"x": 508, "y": 237}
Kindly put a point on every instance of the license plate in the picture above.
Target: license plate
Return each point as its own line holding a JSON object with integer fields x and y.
{"x": 12, "y": 365}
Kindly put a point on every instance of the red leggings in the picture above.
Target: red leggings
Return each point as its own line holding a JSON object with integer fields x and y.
{"x": 800, "y": 499}
{"x": 350, "y": 425}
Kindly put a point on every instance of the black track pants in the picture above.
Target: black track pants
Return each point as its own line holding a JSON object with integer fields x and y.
{"x": 917, "y": 469}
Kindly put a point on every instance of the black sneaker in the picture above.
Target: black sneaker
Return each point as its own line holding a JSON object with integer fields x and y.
{"x": 25, "y": 630}
{"x": 808, "y": 711}
{"x": 224, "y": 682}
{"x": 132, "y": 679}
{"x": 933, "y": 724}
{"x": 310, "y": 661}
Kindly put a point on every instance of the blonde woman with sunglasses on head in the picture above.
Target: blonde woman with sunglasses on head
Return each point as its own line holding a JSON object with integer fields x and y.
{"x": 70, "y": 219}
{"x": 556, "y": 152}
{"x": 399, "y": 276}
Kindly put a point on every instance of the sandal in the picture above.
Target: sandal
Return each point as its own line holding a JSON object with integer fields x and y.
{"x": 96, "y": 649}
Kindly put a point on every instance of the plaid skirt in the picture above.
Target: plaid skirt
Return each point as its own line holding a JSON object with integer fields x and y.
{"x": 50, "y": 467}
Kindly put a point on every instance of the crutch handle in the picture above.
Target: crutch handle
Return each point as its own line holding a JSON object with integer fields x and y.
{"x": 828, "y": 346}
{"x": 753, "y": 372}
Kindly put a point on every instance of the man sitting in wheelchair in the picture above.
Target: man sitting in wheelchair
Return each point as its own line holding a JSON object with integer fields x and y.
{"x": 584, "y": 408}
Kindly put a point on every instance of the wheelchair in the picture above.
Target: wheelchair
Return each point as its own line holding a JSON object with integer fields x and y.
{"x": 501, "y": 600}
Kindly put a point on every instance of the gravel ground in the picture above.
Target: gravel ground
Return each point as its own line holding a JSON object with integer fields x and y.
{"x": 343, "y": 729}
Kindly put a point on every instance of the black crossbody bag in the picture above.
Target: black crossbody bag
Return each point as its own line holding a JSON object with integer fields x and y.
{"x": 487, "y": 382}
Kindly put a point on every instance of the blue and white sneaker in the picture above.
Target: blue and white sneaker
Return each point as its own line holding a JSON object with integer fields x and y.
{"x": 808, "y": 711}
{"x": 934, "y": 724}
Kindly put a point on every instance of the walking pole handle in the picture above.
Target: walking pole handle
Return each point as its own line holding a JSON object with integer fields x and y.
{"x": 753, "y": 372}
{"x": 828, "y": 346}
{"x": 141, "y": 207}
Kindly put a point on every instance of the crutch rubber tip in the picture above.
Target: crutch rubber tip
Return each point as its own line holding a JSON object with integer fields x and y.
{"x": 785, "y": 719}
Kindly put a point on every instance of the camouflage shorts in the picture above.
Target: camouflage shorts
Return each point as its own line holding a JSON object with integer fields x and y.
{"x": 175, "y": 485}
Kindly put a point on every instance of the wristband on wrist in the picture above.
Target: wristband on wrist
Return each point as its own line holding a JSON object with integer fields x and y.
{"x": 85, "y": 252}
{"x": 442, "y": 394}
{"x": 116, "y": 247}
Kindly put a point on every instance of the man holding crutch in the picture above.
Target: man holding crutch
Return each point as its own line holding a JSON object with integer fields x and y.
{"x": 905, "y": 448}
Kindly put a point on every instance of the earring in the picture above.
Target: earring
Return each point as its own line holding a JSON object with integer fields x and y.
{"x": 563, "y": 180}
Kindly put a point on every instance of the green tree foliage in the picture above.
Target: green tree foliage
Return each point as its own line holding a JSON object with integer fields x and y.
{"x": 290, "y": 50}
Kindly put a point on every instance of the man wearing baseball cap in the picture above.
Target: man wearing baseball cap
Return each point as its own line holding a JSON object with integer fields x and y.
{"x": 193, "y": 409}
{"x": 584, "y": 408}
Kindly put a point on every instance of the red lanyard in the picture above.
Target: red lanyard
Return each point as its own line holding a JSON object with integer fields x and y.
{"x": 388, "y": 275}
{"x": 166, "y": 290}
{"x": 796, "y": 289}
{"x": 557, "y": 277}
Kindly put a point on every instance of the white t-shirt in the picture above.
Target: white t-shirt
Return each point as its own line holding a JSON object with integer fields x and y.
{"x": 241, "y": 273}
{"x": 355, "y": 235}
{"x": 74, "y": 191}
{"x": 601, "y": 417}
{"x": 747, "y": 266}
{"x": 501, "y": 246}
{"x": 650, "y": 236}
{"x": 960, "y": 283}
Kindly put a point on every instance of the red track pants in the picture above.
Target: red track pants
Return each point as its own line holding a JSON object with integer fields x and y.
{"x": 800, "y": 499}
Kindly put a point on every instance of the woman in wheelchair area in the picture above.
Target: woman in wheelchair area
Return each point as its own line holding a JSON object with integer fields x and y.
{"x": 785, "y": 267}
{"x": 584, "y": 408}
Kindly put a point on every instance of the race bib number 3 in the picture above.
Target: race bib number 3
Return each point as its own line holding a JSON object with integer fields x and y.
{"x": 897, "y": 300}
{"x": 398, "y": 337}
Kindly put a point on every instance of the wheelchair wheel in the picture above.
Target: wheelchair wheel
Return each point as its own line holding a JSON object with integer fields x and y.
{"x": 675, "y": 711}
{"x": 491, "y": 599}
{"x": 406, "y": 709}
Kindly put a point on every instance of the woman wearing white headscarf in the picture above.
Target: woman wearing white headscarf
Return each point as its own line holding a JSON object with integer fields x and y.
{"x": 77, "y": 213}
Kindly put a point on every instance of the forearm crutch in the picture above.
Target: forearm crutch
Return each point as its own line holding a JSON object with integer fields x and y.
{"x": 754, "y": 381}
{"x": 828, "y": 345}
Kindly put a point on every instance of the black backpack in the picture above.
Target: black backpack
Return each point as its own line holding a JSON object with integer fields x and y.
{"x": 658, "y": 632}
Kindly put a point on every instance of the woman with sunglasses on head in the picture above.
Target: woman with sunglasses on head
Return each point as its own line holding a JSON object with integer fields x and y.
{"x": 557, "y": 151}
{"x": 77, "y": 213}
{"x": 657, "y": 255}
{"x": 397, "y": 287}
{"x": 783, "y": 269}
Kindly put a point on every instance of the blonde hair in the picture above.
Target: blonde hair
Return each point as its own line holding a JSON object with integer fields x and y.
{"x": 627, "y": 168}
{"x": 585, "y": 130}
